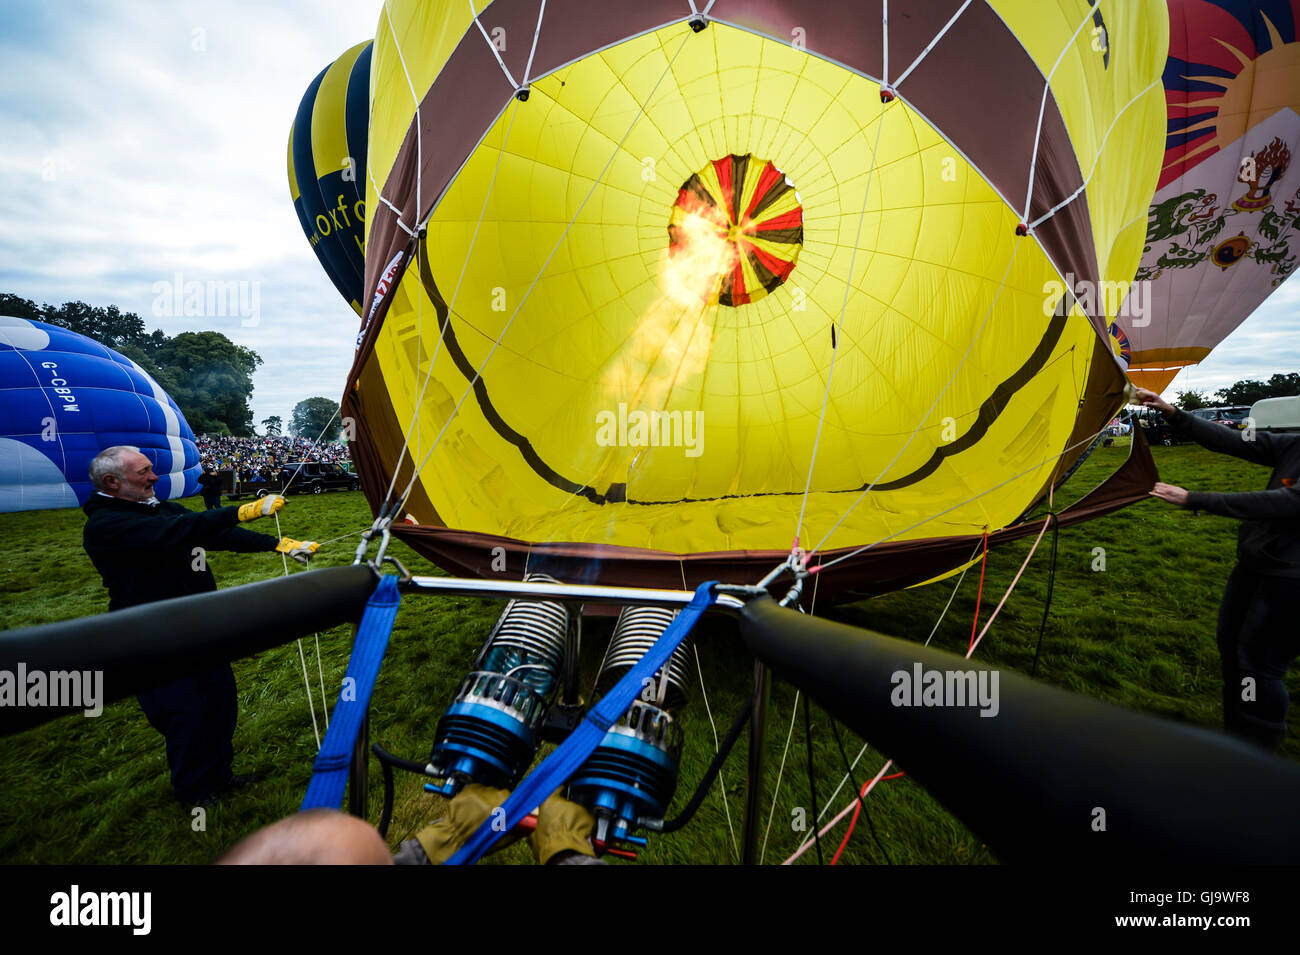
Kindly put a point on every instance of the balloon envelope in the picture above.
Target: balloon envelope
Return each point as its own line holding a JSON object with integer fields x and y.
{"x": 1222, "y": 227}
{"x": 327, "y": 168}
{"x": 65, "y": 399}
{"x": 652, "y": 290}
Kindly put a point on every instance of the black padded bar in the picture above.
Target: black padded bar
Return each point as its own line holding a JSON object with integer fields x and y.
{"x": 147, "y": 646}
{"x": 1034, "y": 780}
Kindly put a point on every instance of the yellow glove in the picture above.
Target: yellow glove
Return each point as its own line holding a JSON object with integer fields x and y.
{"x": 300, "y": 551}
{"x": 562, "y": 826}
{"x": 262, "y": 507}
{"x": 443, "y": 839}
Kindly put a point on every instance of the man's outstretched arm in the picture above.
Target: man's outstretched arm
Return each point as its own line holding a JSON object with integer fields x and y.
{"x": 1262, "y": 448}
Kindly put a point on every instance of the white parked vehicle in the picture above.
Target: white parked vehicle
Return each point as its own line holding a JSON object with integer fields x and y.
{"x": 1276, "y": 414}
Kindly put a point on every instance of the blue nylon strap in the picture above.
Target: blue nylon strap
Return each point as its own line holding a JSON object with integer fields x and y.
{"x": 573, "y": 752}
{"x": 329, "y": 775}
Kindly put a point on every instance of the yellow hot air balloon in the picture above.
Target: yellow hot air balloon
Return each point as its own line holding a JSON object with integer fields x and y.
{"x": 652, "y": 293}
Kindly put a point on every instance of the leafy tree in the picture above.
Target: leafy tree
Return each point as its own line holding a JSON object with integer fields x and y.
{"x": 1191, "y": 400}
{"x": 207, "y": 375}
{"x": 273, "y": 426}
{"x": 213, "y": 381}
{"x": 109, "y": 326}
{"x": 312, "y": 416}
{"x": 166, "y": 380}
{"x": 1249, "y": 391}
{"x": 19, "y": 307}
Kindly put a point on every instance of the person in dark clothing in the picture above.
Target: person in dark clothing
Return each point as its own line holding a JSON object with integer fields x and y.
{"x": 1259, "y": 617}
{"x": 148, "y": 550}
{"x": 210, "y": 487}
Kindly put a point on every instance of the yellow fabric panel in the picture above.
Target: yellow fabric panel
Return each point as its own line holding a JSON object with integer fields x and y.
{"x": 329, "y": 140}
{"x": 605, "y": 329}
{"x": 1185, "y": 355}
{"x": 1153, "y": 379}
{"x": 1115, "y": 113}
{"x": 294, "y": 192}
{"x": 429, "y": 31}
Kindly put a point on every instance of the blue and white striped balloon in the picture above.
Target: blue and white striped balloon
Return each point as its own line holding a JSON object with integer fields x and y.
{"x": 63, "y": 399}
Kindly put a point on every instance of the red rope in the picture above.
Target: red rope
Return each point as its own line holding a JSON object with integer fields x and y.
{"x": 857, "y": 809}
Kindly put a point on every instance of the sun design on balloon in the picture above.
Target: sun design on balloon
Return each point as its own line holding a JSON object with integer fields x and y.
{"x": 735, "y": 232}
{"x": 1249, "y": 85}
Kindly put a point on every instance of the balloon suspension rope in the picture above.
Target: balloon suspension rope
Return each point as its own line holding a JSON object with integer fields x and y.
{"x": 856, "y": 805}
{"x": 302, "y": 657}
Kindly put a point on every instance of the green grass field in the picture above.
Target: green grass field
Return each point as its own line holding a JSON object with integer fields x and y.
{"x": 1139, "y": 634}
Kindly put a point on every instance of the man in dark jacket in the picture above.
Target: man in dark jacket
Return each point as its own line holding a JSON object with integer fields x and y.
{"x": 1259, "y": 618}
{"x": 148, "y": 550}
{"x": 210, "y": 488}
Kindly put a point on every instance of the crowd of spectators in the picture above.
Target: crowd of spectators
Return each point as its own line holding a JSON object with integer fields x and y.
{"x": 261, "y": 458}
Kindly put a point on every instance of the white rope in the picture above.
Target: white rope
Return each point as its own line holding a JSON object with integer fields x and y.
{"x": 1042, "y": 109}
{"x": 419, "y": 157}
{"x": 821, "y": 833}
{"x": 306, "y": 680}
{"x": 917, "y": 430}
{"x": 542, "y": 271}
{"x": 1086, "y": 441}
{"x": 451, "y": 306}
{"x": 492, "y": 46}
{"x": 310, "y": 450}
{"x": 726, "y": 807}
{"x": 933, "y": 43}
{"x": 989, "y": 623}
{"x": 396, "y": 211}
{"x": 884, "y": 30}
{"x": 1097, "y": 158}
{"x": 862, "y": 752}
{"x": 302, "y": 657}
{"x": 776, "y": 790}
{"x": 848, "y": 285}
{"x": 528, "y": 70}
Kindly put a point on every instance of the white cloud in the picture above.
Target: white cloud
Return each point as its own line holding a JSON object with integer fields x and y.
{"x": 169, "y": 158}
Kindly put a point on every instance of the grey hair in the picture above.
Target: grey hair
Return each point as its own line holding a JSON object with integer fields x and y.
{"x": 109, "y": 461}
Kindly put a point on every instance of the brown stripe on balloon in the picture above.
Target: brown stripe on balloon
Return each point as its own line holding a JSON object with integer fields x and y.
{"x": 885, "y": 567}
{"x": 482, "y": 395}
{"x": 766, "y": 277}
{"x": 773, "y": 194}
{"x": 739, "y": 167}
{"x": 695, "y": 188}
{"x": 785, "y": 236}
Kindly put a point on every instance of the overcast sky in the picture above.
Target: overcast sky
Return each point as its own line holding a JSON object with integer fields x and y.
{"x": 143, "y": 141}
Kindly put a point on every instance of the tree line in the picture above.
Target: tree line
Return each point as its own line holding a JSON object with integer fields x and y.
{"x": 206, "y": 374}
{"x": 1245, "y": 392}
